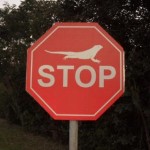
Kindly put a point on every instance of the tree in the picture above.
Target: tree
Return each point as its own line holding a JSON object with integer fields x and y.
{"x": 19, "y": 28}
{"x": 126, "y": 124}
{"x": 128, "y": 22}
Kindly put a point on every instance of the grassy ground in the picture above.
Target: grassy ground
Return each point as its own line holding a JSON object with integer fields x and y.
{"x": 13, "y": 137}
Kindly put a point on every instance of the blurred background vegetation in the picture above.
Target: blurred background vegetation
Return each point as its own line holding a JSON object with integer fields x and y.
{"x": 126, "y": 125}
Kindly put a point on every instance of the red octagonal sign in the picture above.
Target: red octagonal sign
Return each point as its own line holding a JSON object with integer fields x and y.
{"x": 75, "y": 71}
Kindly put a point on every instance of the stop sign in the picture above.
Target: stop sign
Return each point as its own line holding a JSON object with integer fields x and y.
{"x": 75, "y": 71}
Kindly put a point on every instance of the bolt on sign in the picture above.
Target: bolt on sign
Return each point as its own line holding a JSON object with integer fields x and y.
{"x": 75, "y": 71}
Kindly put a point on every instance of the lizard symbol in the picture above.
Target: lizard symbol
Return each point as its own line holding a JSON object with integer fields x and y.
{"x": 86, "y": 54}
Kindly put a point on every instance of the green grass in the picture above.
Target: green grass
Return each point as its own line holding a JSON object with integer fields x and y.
{"x": 12, "y": 137}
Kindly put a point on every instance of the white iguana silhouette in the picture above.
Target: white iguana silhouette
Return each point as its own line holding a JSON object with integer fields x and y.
{"x": 86, "y": 54}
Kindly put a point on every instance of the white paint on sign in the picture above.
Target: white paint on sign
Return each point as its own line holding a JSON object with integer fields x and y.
{"x": 86, "y": 54}
{"x": 65, "y": 75}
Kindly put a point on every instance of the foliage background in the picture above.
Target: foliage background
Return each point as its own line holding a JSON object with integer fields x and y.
{"x": 126, "y": 125}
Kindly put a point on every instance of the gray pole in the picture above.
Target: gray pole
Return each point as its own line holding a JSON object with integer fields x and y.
{"x": 73, "y": 135}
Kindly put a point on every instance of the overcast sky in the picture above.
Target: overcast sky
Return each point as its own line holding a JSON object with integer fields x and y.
{"x": 11, "y": 2}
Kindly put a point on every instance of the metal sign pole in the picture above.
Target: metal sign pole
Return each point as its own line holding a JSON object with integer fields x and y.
{"x": 73, "y": 135}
